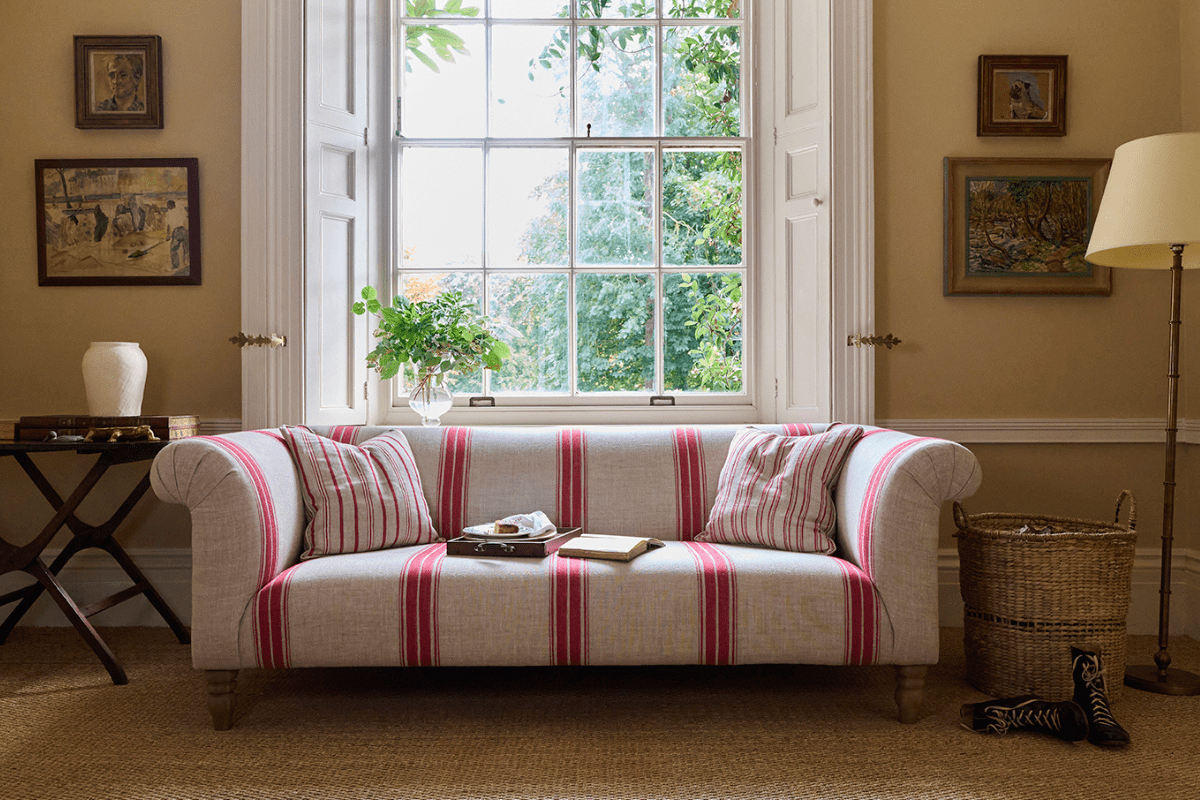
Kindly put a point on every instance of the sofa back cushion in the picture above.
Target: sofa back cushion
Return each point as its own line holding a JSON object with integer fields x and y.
{"x": 359, "y": 498}
{"x": 648, "y": 480}
{"x": 777, "y": 491}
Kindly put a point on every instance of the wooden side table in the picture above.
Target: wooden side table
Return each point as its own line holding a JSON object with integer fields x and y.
{"x": 28, "y": 558}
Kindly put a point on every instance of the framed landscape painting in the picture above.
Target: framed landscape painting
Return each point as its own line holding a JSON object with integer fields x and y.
{"x": 1020, "y": 226}
{"x": 118, "y": 222}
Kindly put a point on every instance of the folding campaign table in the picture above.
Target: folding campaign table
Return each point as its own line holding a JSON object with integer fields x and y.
{"x": 28, "y": 558}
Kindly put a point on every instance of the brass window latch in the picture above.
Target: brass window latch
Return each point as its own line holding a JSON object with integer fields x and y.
{"x": 258, "y": 340}
{"x": 888, "y": 341}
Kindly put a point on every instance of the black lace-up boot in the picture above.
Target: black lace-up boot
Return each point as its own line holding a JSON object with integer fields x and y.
{"x": 1092, "y": 696}
{"x": 1028, "y": 713}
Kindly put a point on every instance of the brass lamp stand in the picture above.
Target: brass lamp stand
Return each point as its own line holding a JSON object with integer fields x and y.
{"x": 1151, "y": 204}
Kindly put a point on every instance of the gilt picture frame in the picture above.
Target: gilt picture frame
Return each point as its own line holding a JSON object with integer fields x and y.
{"x": 1022, "y": 96}
{"x": 118, "y": 222}
{"x": 118, "y": 82}
{"x": 1020, "y": 226}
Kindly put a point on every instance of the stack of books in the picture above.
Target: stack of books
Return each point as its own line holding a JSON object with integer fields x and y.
{"x": 38, "y": 428}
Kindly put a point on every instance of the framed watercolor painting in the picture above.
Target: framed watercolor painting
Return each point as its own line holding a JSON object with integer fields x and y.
{"x": 1020, "y": 226}
{"x": 1022, "y": 96}
{"x": 118, "y": 82}
{"x": 118, "y": 222}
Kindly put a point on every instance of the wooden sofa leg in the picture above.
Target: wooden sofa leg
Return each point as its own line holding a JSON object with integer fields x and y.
{"x": 221, "y": 686}
{"x": 910, "y": 689}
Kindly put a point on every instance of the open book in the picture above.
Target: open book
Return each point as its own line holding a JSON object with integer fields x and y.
{"x": 614, "y": 548}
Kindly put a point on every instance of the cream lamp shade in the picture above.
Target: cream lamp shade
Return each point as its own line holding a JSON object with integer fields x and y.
{"x": 1151, "y": 201}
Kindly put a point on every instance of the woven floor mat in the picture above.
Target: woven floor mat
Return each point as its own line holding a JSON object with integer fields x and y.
{"x": 587, "y": 732}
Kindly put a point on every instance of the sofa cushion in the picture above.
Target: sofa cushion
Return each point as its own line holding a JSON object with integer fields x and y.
{"x": 359, "y": 497}
{"x": 776, "y": 491}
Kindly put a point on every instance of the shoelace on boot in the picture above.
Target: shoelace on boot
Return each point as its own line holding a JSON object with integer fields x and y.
{"x": 1092, "y": 675}
{"x": 1020, "y": 716}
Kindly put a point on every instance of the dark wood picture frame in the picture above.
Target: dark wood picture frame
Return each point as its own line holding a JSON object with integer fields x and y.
{"x": 1022, "y": 96}
{"x": 1020, "y": 226}
{"x": 118, "y": 82}
{"x": 118, "y": 221}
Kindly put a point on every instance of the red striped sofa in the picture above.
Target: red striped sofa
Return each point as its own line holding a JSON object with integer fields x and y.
{"x": 255, "y": 604}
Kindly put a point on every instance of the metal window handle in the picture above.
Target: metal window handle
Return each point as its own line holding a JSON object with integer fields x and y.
{"x": 888, "y": 341}
{"x": 258, "y": 340}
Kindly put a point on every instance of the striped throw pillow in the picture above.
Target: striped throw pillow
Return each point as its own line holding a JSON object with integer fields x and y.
{"x": 776, "y": 491}
{"x": 359, "y": 497}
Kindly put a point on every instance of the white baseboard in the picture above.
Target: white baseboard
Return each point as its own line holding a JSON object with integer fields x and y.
{"x": 1144, "y": 599}
{"x": 93, "y": 575}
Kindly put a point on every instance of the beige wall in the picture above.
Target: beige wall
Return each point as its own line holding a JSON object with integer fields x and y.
{"x": 182, "y": 330}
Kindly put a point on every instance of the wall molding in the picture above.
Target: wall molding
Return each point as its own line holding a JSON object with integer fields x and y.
{"x": 1143, "y": 605}
{"x": 215, "y": 427}
{"x": 1047, "y": 431}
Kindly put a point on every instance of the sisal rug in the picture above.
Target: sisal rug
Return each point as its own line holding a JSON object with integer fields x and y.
{"x": 580, "y": 732}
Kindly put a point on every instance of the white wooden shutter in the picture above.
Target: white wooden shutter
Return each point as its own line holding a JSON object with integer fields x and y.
{"x": 337, "y": 215}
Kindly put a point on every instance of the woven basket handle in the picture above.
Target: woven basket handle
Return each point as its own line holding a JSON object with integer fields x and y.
{"x": 960, "y": 516}
{"x": 1132, "y": 509}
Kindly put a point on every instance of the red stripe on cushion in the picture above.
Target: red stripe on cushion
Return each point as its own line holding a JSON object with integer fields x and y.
{"x": 270, "y": 435}
{"x": 862, "y": 615}
{"x": 717, "y": 601}
{"x": 452, "y": 480}
{"x": 419, "y": 607}
{"x": 271, "y": 621}
{"x": 268, "y": 522}
{"x": 866, "y": 516}
{"x": 797, "y": 429}
{"x": 568, "y": 610}
{"x": 692, "y": 504}
{"x": 345, "y": 434}
{"x": 572, "y": 479}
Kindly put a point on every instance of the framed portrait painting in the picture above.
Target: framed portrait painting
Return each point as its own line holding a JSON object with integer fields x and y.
{"x": 1020, "y": 226}
{"x": 118, "y": 82}
{"x": 1022, "y": 96}
{"x": 118, "y": 222}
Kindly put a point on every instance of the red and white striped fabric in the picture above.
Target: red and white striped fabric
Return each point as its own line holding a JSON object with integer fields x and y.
{"x": 359, "y": 497}
{"x": 776, "y": 491}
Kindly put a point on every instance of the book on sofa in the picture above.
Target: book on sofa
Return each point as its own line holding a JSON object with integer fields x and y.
{"x": 614, "y": 548}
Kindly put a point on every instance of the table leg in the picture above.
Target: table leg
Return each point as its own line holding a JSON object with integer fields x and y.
{"x": 34, "y": 591}
{"x": 38, "y": 570}
{"x": 160, "y": 605}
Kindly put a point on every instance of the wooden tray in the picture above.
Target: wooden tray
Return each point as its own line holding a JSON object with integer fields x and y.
{"x": 510, "y": 548}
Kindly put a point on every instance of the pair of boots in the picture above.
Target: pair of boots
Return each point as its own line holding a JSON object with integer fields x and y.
{"x": 1086, "y": 715}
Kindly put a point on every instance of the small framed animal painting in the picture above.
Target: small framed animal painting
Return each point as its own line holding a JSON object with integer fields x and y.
{"x": 1020, "y": 226}
{"x": 118, "y": 221}
{"x": 1022, "y": 96}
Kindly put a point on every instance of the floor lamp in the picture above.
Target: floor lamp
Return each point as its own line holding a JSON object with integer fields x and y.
{"x": 1149, "y": 214}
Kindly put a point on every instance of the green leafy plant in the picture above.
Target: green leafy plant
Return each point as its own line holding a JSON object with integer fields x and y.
{"x": 436, "y": 337}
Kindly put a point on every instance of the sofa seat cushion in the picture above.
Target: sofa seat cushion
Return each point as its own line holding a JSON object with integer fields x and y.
{"x": 686, "y": 603}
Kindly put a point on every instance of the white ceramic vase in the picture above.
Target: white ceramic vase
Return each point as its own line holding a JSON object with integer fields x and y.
{"x": 114, "y": 377}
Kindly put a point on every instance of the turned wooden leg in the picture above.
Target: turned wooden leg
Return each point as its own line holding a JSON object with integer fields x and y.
{"x": 221, "y": 686}
{"x": 910, "y": 689}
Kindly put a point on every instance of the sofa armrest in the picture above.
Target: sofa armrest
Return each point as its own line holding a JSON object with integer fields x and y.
{"x": 248, "y": 518}
{"x": 889, "y": 502}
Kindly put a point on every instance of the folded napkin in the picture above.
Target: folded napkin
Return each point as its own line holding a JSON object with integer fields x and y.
{"x": 538, "y": 521}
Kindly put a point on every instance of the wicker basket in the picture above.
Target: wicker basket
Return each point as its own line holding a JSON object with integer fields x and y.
{"x": 1034, "y": 586}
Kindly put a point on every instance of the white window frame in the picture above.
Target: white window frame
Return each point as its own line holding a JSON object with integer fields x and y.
{"x": 273, "y": 238}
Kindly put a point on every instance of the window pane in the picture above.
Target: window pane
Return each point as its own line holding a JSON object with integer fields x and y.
{"x": 535, "y": 306}
{"x": 528, "y": 8}
{"x": 527, "y": 207}
{"x": 702, "y": 332}
{"x": 530, "y": 81}
{"x": 615, "y": 207}
{"x": 616, "y": 81}
{"x": 729, "y": 9}
{"x": 444, "y": 93}
{"x": 441, "y": 199}
{"x": 620, "y": 8}
{"x": 702, "y": 207}
{"x": 427, "y": 285}
{"x": 614, "y": 319}
{"x": 702, "y": 81}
